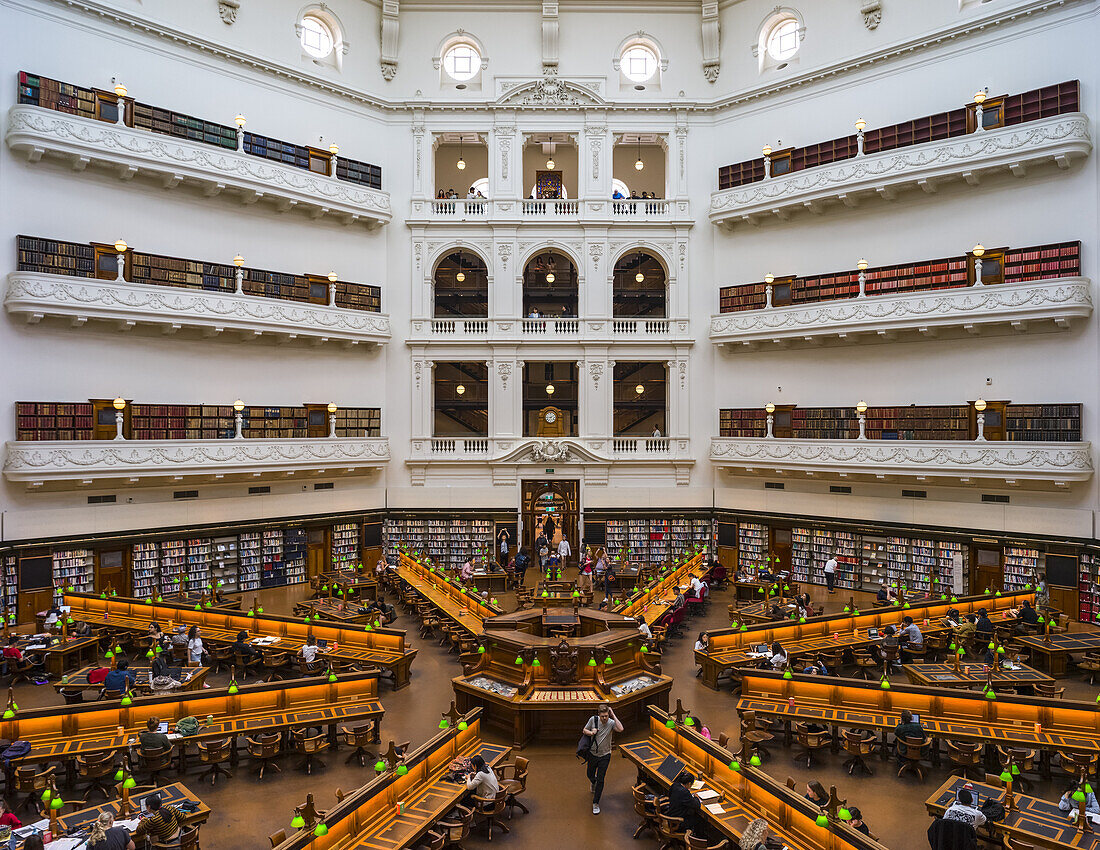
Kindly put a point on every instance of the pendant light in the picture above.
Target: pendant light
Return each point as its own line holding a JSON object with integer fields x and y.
{"x": 549, "y": 277}
{"x": 549, "y": 389}
{"x": 461, "y": 162}
{"x": 639, "y": 277}
{"x": 461, "y": 276}
{"x": 638, "y": 164}
{"x": 460, "y": 389}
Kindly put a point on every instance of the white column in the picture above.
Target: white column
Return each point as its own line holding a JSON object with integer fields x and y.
{"x": 594, "y": 285}
{"x": 423, "y": 160}
{"x": 676, "y": 166}
{"x": 504, "y": 266}
{"x": 505, "y": 161}
{"x": 594, "y": 155}
{"x": 505, "y": 396}
{"x": 596, "y": 420}
{"x": 423, "y": 376}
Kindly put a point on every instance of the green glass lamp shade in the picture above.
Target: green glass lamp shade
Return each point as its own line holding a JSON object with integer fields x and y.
{"x": 546, "y": 593}
{"x": 481, "y": 650}
{"x": 954, "y": 599}
{"x": 607, "y": 661}
{"x": 1078, "y": 796}
{"x": 198, "y": 607}
{"x": 46, "y": 795}
{"x": 787, "y": 674}
{"x": 1041, "y": 619}
{"x": 645, "y": 648}
{"x": 1000, "y": 650}
{"x": 119, "y": 775}
{"x": 56, "y": 803}
{"x": 592, "y": 663}
{"x": 320, "y": 830}
{"x": 670, "y": 723}
{"x": 519, "y": 660}
{"x": 127, "y": 701}
{"x": 991, "y": 646}
{"x": 149, "y": 654}
{"x": 744, "y": 628}
{"x": 952, "y": 647}
{"x": 160, "y": 598}
{"x": 233, "y": 688}
{"x": 689, "y": 721}
{"x": 444, "y": 723}
{"x": 251, "y": 613}
{"x": 847, "y": 609}
{"x": 1006, "y": 776}
{"x": 1015, "y": 770}
{"x": 331, "y": 676}
{"x": 463, "y": 725}
{"x": 379, "y": 765}
{"x": 990, "y": 695}
{"x": 108, "y": 654}
{"x": 536, "y": 663}
{"x": 735, "y": 766}
{"x": 884, "y": 684}
{"x": 129, "y": 783}
{"x": 402, "y": 770}
{"x": 755, "y": 761}
{"x": 822, "y": 820}
{"x": 844, "y": 814}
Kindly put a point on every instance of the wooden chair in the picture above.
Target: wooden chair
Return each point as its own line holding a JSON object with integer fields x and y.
{"x": 858, "y": 743}
{"x": 865, "y": 665}
{"x": 264, "y": 749}
{"x": 810, "y": 740}
{"x": 221, "y": 656}
{"x": 645, "y": 807}
{"x": 1049, "y": 691}
{"x": 457, "y": 825}
{"x": 72, "y": 696}
{"x": 910, "y": 753}
{"x": 179, "y": 652}
{"x": 110, "y": 693}
{"x": 966, "y": 756}
{"x": 31, "y": 783}
{"x": 308, "y": 747}
{"x": 756, "y": 738}
{"x": 359, "y": 737}
{"x": 23, "y": 670}
{"x": 936, "y": 646}
{"x": 243, "y": 664}
{"x": 188, "y": 840}
{"x": 277, "y": 838}
{"x": 699, "y": 842}
{"x": 488, "y": 810}
{"x": 1091, "y": 665}
{"x": 1073, "y": 763}
{"x": 1023, "y": 758}
{"x": 670, "y": 830}
{"x": 214, "y": 754}
{"x": 514, "y": 785}
{"x": 98, "y": 771}
{"x": 151, "y": 762}
{"x": 280, "y": 665}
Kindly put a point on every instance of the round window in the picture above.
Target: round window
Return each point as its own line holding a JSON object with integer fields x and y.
{"x": 783, "y": 40}
{"x": 639, "y": 63}
{"x": 316, "y": 37}
{"x": 462, "y": 62}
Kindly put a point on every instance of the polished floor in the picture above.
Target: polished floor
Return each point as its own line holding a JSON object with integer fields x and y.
{"x": 246, "y": 810}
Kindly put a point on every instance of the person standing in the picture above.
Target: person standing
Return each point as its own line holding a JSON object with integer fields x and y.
{"x": 584, "y": 577}
{"x": 600, "y": 728}
{"x": 830, "y": 573}
{"x": 564, "y": 552}
{"x": 523, "y": 561}
{"x": 503, "y": 539}
{"x": 542, "y": 549}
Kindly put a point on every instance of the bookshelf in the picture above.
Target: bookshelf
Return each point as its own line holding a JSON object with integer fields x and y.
{"x": 295, "y": 550}
{"x": 1054, "y": 423}
{"x": 1021, "y": 566}
{"x": 73, "y": 568}
{"x": 199, "y": 559}
{"x": 53, "y": 256}
{"x": 37, "y": 420}
{"x": 917, "y": 422}
{"x": 752, "y": 544}
{"x": 271, "y": 555}
{"x": 1013, "y": 109}
{"x": 359, "y": 422}
{"x": 411, "y": 533}
{"x": 345, "y": 544}
{"x": 87, "y": 103}
{"x": 824, "y": 423}
{"x": 9, "y": 563}
{"x": 173, "y": 563}
{"x": 917, "y": 564}
{"x": 742, "y": 422}
{"x": 447, "y": 542}
{"x": 1088, "y": 587}
{"x": 224, "y": 564}
{"x": 812, "y": 547}
{"x": 249, "y": 560}
{"x": 1042, "y": 262}
{"x": 144, "y": 570}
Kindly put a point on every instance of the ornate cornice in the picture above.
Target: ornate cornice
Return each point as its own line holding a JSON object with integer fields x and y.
{"x": 35, "y": 131}
{"x": 1010, "y": 461}
{"x": 86, "y": 460}
{"x": 34, "y": 295}
{"x": 1062, "y": 139}
{"x": 860, "y": 319}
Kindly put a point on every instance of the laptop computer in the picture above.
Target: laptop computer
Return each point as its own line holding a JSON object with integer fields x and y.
{"x": 761, "y": 649}
{"x": 916, "y": 717}
{"x": 670, "y": 768}
{"x": 872, "y": 633}
{"x": 323, "y": 644}
{"x": 162, "y": 727}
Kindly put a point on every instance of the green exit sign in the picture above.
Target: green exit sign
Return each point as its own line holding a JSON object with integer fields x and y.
{"x": 548, "y": 472}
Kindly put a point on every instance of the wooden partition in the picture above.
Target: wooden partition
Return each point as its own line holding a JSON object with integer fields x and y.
{"x": 464, "y": 607}
{"x": 391, "y": 812}
{"x": 1035, "y": 722}
{"x": 729, "y": 647}
{"x": 380, "y": 647}
{"x": 63, "y": 732}
{"x": 747, "y": 793}
{"x": 652, "y": 602}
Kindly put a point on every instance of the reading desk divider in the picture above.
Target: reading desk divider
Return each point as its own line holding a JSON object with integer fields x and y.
{"x": 746, "y": 792}
{"x": 467, "y": 610}
{"x": 650, "y": 602}
{"x": 726, "y": 645}
{"x": 380, "y": 647}
{"x": 395, "y": 808}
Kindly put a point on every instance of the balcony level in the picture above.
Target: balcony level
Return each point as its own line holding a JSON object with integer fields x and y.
{"x": 525, "y": 211}
{"x": 69, "y": 444}
{"x": 1013, "y": 133}
{"x": 120, "y": 135}
{"x": 549, "y": 331}
{"x": 1038, "y": 288}
{"x": 124, "y": 288}
{"x": 1013, "y": 444}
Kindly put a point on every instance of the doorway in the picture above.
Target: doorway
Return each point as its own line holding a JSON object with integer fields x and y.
{"x": 317, "y": 549}
{"x": 560, "y": 500}
{"x": 988, "y": 569}
{"x": 781, "y": 548}
{"x": 111, "y": 571}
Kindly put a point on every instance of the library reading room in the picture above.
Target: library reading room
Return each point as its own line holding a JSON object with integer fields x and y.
{"x": 441, "y": 425}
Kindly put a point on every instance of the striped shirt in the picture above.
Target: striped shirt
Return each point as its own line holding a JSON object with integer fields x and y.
{"x": 161, "y": 824}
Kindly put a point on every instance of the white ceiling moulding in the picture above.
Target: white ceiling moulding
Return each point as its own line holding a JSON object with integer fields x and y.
{"x": 997, "y": 17}
{"x": 35, "y": 132}
{"x": 1030, "y": 306}
{"x": 1061, "y": 139}
{"x": 1047, "y": 463}
{"x": 152, "y": 461}
{"x": 34, "y": 296}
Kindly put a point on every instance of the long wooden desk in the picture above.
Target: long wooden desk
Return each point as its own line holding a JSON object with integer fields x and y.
{"x": 171, "y": 795}
{"x": 220, "y": 602}
{"x": 730, "y": 647}
{"x": 955, "y": 715}
{"x": 57, "y": 733}
{"x": 746, "y": 794}
{"x": 465, "y": 609}
{"x": 378, "y": 647}
{"x": 65, "y": 653}
{"x": 370, "y": 817}
{"x": 338, "y": 612}
{"x": 751, "y": 589}
{"x": 1052, "y": 652}
{"x": 1035, "y": 821}
{"x": 654, "y": 602}
{"x": 353, "y": 582}
{"x": 196, "y": 678}
{"x": 946, "y": 676}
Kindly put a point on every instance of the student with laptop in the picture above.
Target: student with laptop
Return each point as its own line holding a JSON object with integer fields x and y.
{"x": 161, "y": 823}
{"x": 152, "y": 737}
{"x": 965, "y": 809}
{"x": 683, "y": 804}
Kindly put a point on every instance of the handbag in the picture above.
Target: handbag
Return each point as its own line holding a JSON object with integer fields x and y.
{"x": 585, "y": 744}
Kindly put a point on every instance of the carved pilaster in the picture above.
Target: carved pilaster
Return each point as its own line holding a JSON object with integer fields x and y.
{"x": 389, "y": 38}
{"x": 712, "y": 59}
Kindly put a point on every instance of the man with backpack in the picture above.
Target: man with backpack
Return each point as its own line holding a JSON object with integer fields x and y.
{"x": 600, "y": 728}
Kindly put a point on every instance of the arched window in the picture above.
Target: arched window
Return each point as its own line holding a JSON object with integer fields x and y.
{"x": 460, "y": 59}
{"x": 639, "y": 61}
{"x": 316, "y": 37}
{"x": 461, "y": 287}
{"x": 550, "y": 287}
{"x": 320, "y": 35}
{"x": 639, "y": 287}
{"x": 779, "y": 38}
{"x": 782, "y": 41}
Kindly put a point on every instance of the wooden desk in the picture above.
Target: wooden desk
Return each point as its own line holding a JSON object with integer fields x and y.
{"x": 355, "y": 583}
{"x": 493, "y": 581}
{"x": 61, "y": 734}
{"x": 338, "y": 612}
{"x": 65, "y": 654}
{"x": 728, "y": 647}
{"x": 1052, "y": 652}
{"x": 79, "y": 679}
{"x": 760, "y": 612}
{"x": 1035, "y": 821}
{"x": 945, "y": 676}
{"x": 221, "y": 603}
{"x": 369, "y": 818}
{"x": 956, "y": 715}
{"x": 171, "y": 795}
{"x": 379, "y": 647}
{"x": 746, "y": 794}
{"x": 654, "y": 601}
{"x": 465, "y": 609}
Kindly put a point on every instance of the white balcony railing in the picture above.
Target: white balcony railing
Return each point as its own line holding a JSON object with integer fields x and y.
{"x": 1060, "y": 139}
{"x": 555, "y": 208}
{"x": 460, "y": 210}
{"x": 524, "y": 211}
{"x": 127, "y": 152}
{"x": 86, "y": 461}
{"x": 552, "y": 330}
{"x": 637, "y": 208}
{"x": 1033, "y": 305}
{"x": 646, "y": 446}
{"x": 1011, "y": 462}
{"x": 125, "y": 305}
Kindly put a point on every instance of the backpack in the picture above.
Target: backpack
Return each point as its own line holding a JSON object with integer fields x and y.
{"x": 16, "y": 750}
{"x": 993, "y": 810}
{"x": 96, "y": 676}
{"x": 186, "y": 726}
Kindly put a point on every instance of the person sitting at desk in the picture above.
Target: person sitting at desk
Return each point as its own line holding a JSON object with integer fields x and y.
{"x": 1068, "y": 804}
{"x": 180, "y": 637}
{"x": 240, "y": 646}
{"x": 1028, "y": 618}
{"x": 150, "y": 738}
{"x": 966, "y": 629}
{"x": 53, "y": 614}
{"x": 910, "y": 633}
{"x": 962, "y": 809}
{"x": 644, "y": 628}
{"x": 467, "y": 571}
{"x": 380, "y": 569}
{"x": 755, "y": 836}
{"x": 310, "y": 650}
{"x": 120, "y": 679}
{"x": 816, "y": 793}
{"x": 779, "y": 656}
{"x": 984, "y": 627}
{"x": 482, "y": 780}
{"x": 7, "y": 816}
{"x": 82, "y": 629}
{"x": 908, "y": 728}
{"x": 805, "y": 607}
{"x": 889, "y": 642}
{"x": 777, "y": 611}
{"x": 699, "y": 588}
{"x": 161, "y": 823}
{"x": 857, "y": 820}
{"x": 104, "y": 835}
{"x": 685, "y": 805}
{"x": 817, "y": 668}
{"x": 886, "y": 595}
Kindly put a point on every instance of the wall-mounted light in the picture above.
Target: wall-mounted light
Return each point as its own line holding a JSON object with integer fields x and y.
{"x": 769, "y": 408}
{"x": 769, "y": 278}
{"x": 238, "y": 419}
{"x": 333, "y": 277}
{"x": 767, "y": 150}
{"x": 461, "y": 389}
{"x": 119, "y": 405}
{"x": 334, "y": 149}
{"x": 980, "y": 406}
{"x": 861, "y": 125}
{"x": 120, "y": 90}
{"x": 979, "y": 96}
{"x": 861, "y": 410}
